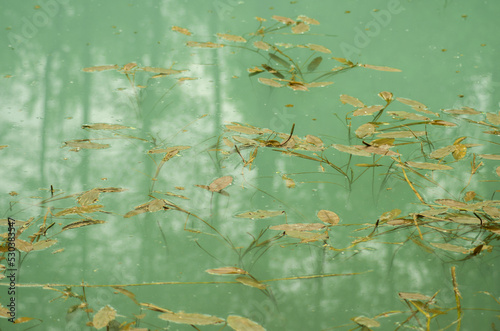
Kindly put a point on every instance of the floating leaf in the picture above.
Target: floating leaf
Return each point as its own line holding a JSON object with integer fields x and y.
{"x": 318, "y": 84}
{"x": 220, "y": 183}
{"x": 270, "y": 82}
{"x": 262, "y": 45}
{"x": 103, "y": 317}
{"x": 79, "y": 210}
{"x": 465, "y": 220}
{"x": 260, "y": 214}
{"x": 463, "y": 111}
{"x": 452, "y": 203}
{"x": 203, "y": 44}
{"x": 84, "y": 143}
{"x": 351, "y": 150}
{"x": 314, "y": 140}
{"x": 402, "y": 134}
{"x": 328, "y": 217}
{"x": 344, "y": 98}
{"x": 300, "y": 28}
{"x": 231, "y": 37}
{"x": 181, "y": 30}
{"x": 411, "y": 103}
{"x": 101, "y": 68}
{"x": 246, "y": 141}
{"x": 22, "y": 320}
{"x": 4, "y": 146}
{"x": 493, "y": 118}
{"x": 23, "y": 245}
{"x": 387, "y": 96}
{"x": 300, "y": 226}
{"x": 129, "y": 66}
{"x": 227, "y": 271}
{"x": 239, "y": 323}
{"x": 79, "y": 224}
{"x": 365, "y": 321}
{"x": 88, "y": 197}
{"x": 126, "y": 293}
{"x": 306, "y": 237}
{"x": 369, "y": 66}
{"x": 381, "y": 149}
{"x": 282, "y": 19}
{"x": 105, "y": 126}
{"x": 365, "y": 130}
{"x": 314, "y": 63}
{"x": 319, "y": 48}
{"x": 442, "y": 123}
{"x": 414, "y": 296}
{"x": 168, "y": 150}
{"x": 389, "y": 215}
{"x": 191, "y": 319}
{"x": 428, "y": 166}
{"x": 308, "y": 20}
{"x": 490, "y": 156}
{"x": 251, "y": 282}
{"x": 162, "y": 71}
{"x": 451, "y": 248}
{"x": 150, "y": 206}
{"x": 442, "y": 152}
{"x": 407, "y": 116}
{"x": 367, "y": 110}
{"x": 42, "y": 244}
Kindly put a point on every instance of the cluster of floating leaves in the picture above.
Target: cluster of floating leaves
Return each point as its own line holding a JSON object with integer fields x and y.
{"x": 385, "y": 136}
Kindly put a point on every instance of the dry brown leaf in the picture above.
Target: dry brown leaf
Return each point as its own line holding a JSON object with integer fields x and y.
{"x": 308, "y": 20}
{"x": 270, "y": 82}
{"x": 282, "y": 19}
{"x": 300, "y": 28}
{"x": 191, "y": 319}
{"x": 262, "y": 45}
{"x": 203, "y": 44}
{"x": 369, "y": 66}
{"x": 365, "y": 130}
{"x": 220, "y": 183}
{"x": 428, "y": 166}
{"x": 251, "y": 282}
{"x": 367, "y": 110}
{"x": 101, "y": 68}
{"x": 300, "y": 226}
{"x": 261, "y": 214}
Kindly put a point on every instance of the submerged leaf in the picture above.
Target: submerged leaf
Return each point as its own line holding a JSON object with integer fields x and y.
{"x": 42, "y": 244}
{"x": 260, "y": 214}
{"x": 314, "y": 63}
{"x": 239, "y": 323}
{"x": 414, "y": 296}
{"x": 442, "y": 152}
{"x": 306, "y": 237}
{"x": 279, "y": 60}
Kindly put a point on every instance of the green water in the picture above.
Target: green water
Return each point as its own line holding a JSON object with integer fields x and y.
{"x": 68, "y": 277}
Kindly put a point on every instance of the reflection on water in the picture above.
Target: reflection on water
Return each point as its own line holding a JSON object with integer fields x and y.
{"x": 243, "y": 172}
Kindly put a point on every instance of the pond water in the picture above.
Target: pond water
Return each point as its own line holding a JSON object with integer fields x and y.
{"x": 247, "y": 165}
